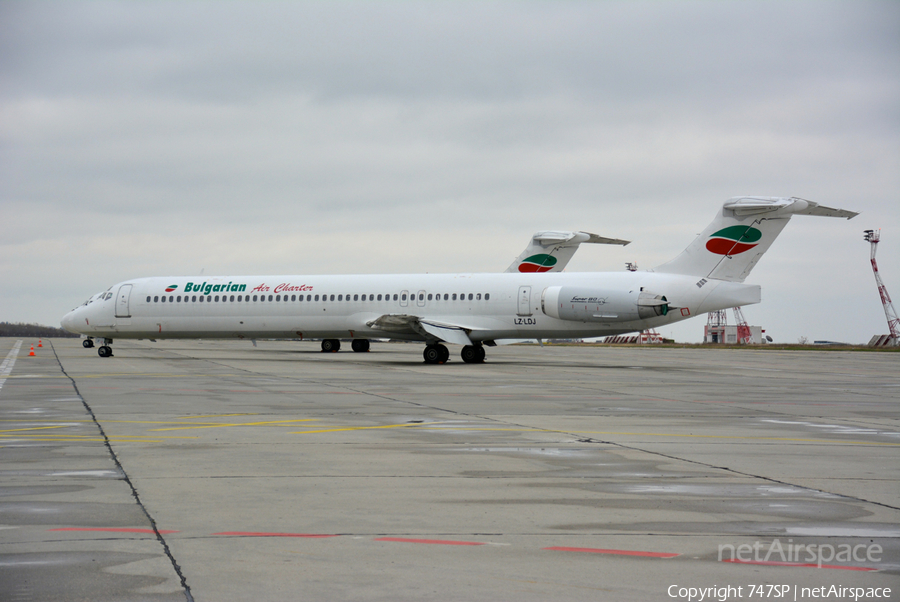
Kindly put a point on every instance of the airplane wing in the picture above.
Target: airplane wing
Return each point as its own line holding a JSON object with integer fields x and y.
{"x": 551, "y": 251}
{"x": 430, "y": 329}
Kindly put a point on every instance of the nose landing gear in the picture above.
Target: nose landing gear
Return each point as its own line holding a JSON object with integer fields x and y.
{"x": 104, "y": 350}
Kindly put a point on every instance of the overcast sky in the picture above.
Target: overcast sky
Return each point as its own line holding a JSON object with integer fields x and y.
{"x": 166, "y": 138}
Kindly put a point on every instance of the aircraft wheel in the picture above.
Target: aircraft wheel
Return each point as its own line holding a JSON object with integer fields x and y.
{"x": 331, "y": 345}
{"x": 104, "y": 351}
{"x": 87, "y": 343}
{"x": 445, "y": 354}
{"x": 481, "y": 354}
{"x": 360, "y": 345}
{"x": 472, "y": 354}
{"x": 432, "y": 354}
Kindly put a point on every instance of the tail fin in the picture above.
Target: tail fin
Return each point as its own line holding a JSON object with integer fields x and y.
{"x": 551, "y": 251}
{"x": 744, "y": 229}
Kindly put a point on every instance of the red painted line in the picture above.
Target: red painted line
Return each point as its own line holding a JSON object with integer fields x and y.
{"x": 113, "y": 530}
{"x": 432, "y": 541}
{"x": 256, "y": 534}
{"x": 800, "y": 565}
{"x": 618, "y": 552}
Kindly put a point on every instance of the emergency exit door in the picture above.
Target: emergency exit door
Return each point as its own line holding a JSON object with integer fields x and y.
{"x": 524, "y": 301}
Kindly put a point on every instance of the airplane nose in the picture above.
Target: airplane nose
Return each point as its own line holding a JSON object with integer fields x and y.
{"x": 68, "y": 321}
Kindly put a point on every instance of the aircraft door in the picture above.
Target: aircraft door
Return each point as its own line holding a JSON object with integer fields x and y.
{"x": 524, "y": 301}
{"x": 122, "y": 299}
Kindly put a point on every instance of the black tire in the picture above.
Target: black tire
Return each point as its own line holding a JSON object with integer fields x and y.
{"x": 432, "y": 354}
{"x": 87, "y": 343}
{"x": 360, "y": 345}
{"x": 331, "y": 346}
{"x": 104, "y": 351}
{"x": 481, "y": 354}
{"x": 469, "y": 354}
{"x": 445, "y": 354}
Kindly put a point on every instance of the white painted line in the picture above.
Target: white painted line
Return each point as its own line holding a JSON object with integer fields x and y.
{"x": 6, "y": 365}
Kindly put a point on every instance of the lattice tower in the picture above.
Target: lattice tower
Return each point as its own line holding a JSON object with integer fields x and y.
{"x": 874, "y": 236}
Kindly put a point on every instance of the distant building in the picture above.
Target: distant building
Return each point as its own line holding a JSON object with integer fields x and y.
{"x": 727, "y": 334}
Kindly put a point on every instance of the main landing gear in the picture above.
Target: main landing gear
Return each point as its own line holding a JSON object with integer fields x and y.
{"x": 473, "y": 354}
{"x": 436, "y": 354}
{"x": 88, "y": 343}
{"x": 360, "y": 345}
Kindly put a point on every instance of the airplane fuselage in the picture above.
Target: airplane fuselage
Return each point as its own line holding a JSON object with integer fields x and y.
{"x": 488, "y": 307}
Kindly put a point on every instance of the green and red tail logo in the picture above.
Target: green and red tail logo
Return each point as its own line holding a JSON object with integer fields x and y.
{"x": 538, "y": 263}
{"x": 171, "y": 288}
{"x": 733, "y": 240}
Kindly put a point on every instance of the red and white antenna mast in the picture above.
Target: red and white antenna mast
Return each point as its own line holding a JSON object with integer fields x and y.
{"x": 873, "y": 236}
{"x": 743, "y": 329}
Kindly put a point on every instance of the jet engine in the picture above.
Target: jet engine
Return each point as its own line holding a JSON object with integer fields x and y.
{"x": 598, "y": 305}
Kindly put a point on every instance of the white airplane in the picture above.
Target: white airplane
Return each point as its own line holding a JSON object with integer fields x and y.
{"x": 472, "y": 310}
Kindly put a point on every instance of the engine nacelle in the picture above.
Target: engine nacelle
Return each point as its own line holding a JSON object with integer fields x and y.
{"x": 598, "y": 305}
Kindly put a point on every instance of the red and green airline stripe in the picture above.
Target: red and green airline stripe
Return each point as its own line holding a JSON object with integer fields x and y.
{"x": 538, "y": 263}
{"x": 733, "y": 240}
{"x": 171, "y": 288}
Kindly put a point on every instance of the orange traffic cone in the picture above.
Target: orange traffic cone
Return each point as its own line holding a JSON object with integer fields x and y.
{"x": 40, "y": 343}
{"x": 32, "y": 350}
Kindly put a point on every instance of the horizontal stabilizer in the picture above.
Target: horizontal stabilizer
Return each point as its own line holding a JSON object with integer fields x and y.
{"x": 761, "y": 205}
